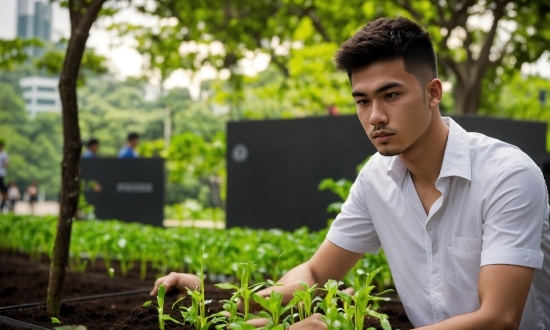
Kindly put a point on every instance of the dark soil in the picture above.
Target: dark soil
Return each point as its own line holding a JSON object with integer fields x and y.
{"x": 24, "y": 282}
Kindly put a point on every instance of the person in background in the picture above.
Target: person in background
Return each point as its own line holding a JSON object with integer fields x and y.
{"x": 91, "y": 149}
{"x": 14, "y": 195}
{"x": 4, "y": 162}
{"x": 129, "y": 150}
{"x": 332, "y": 110}
{"x": 32, "y": 193}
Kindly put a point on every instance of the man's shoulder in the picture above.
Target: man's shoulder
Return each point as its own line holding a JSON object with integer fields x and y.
{"x": 496, "y": 155}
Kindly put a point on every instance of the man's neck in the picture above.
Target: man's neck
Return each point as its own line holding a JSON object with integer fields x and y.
{"x": 424, "y": 161}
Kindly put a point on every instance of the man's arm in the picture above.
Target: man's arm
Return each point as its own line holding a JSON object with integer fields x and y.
{"x": 503, "y": 291}
{"x": 329, "y": 262}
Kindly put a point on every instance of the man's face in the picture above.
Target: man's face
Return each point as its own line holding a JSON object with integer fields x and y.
{"x": 133, "y": 142}
{"x": 391, "y": 105}
{"x": 94, "y": 147}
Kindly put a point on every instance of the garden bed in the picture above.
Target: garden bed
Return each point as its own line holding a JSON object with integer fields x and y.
{"x": 23, "y": 282}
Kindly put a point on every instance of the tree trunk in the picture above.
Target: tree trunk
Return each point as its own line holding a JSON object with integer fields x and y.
{"x": 81, "y": 21}
{"x": 467, "y": 97}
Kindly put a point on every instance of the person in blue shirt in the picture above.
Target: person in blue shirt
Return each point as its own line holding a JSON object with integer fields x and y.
{"x": 91, "y": 149}
{"x": 128, "y": 151}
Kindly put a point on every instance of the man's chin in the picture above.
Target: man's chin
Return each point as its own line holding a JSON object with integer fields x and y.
{"x": 389, "y": 152}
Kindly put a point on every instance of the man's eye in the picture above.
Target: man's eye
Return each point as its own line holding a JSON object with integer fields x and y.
{"x": 362, "y": 102}
{"x": 391, "y": 95}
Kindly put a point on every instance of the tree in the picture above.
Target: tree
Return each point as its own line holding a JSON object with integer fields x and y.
{"x": 300, "y": 37}
{"x": 83, "y": 14}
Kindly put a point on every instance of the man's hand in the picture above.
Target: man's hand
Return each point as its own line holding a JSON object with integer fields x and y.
{"x": 177, "y": 281}
{"x": 314, "y": 322}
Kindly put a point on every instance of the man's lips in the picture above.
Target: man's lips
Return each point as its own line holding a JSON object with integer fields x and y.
{"x": 382, "y": 136}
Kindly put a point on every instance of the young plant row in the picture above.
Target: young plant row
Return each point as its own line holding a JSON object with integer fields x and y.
{"x": 339, "y": 309}
{"x": 273, "y": 252}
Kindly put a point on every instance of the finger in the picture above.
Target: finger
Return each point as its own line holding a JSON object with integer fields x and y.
{"x": 158, "y": 282}
{"x": 349, "y": 291}
{"x": 260, "y": 322}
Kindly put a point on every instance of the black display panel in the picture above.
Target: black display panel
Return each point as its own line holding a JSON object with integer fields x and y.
{"x": 131, "y": 189}
{"x": 275, "y": 166}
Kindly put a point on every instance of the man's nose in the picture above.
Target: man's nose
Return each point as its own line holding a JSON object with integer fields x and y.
{"x": 378, "y": 114}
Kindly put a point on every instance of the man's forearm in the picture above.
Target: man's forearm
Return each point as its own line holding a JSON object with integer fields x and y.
{"x": 473, "y": 321}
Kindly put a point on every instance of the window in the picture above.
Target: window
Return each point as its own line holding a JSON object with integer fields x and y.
{"x": 45, "y": 102}
{"x": 27, "y": 88}
{"x": 46, "y": 89}
{"x": 28, "y": 101}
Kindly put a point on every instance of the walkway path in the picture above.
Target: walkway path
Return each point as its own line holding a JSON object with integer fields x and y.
{"x": 52, "y": 208}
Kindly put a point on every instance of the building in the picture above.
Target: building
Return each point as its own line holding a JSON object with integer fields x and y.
{"x": 41, "y": 94}
{"x": 34, "y": 20}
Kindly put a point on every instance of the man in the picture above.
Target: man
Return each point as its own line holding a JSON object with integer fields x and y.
{"x": 91, "y": 149}
{"x": 128, "y": 151}
{"x": 4, "y": 162}
{"x": 463, "y": 218}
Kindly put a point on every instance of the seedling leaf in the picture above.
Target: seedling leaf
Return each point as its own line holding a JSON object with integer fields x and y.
{"x": 55, "y": 320}
{"x": 147, "y": 304}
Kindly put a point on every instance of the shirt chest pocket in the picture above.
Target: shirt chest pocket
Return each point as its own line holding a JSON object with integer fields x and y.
{"x": 463, "y": 263}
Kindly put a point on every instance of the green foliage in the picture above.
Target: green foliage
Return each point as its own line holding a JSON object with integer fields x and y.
{"x": 34, "y": 145}
{"x": 51, "y": 63}
{"x": 520, "y": 98}
{"x": 171, "y": 248}
{"x": 15, "y": 51}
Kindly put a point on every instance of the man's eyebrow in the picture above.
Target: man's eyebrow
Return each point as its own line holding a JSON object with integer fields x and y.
{"x": 379, "y": 90}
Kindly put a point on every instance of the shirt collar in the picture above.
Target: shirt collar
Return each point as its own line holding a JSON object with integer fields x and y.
{"x": 456, "y": 160}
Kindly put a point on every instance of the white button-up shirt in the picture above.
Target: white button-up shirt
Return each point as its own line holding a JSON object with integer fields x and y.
{"x": 493, "y": 209}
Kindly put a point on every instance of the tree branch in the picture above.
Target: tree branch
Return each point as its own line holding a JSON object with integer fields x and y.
{"x": 498, "y": 13}
{"x": 408, "y": 7}
{"x": 454, "y": 21}
{"x": 310, "y": 12}
{"x": 467, "y": 43}
{"x": 88, "y": 18}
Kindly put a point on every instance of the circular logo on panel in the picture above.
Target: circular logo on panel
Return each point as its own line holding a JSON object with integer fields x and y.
{"x": 239, "y": 153}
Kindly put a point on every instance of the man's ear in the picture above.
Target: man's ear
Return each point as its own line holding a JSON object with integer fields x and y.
{"x": 435, "y": 92}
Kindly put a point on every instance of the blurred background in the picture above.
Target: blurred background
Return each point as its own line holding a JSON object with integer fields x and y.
{"x": 175, "y": 72}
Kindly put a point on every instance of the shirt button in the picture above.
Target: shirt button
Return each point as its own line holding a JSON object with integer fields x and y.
{"x": 434, "y": 248}
{"x": 429, "y": 226}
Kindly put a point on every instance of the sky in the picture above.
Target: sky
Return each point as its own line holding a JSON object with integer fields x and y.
{"x": 124, "y": 61}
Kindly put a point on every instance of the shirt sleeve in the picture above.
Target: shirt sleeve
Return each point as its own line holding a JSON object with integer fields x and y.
{"x": 514, "y": 214}
{"x": 352, "y": 229}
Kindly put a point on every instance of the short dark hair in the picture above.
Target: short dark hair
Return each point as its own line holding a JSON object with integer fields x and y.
{"x": 92, "y": 142}
{"x": 132, "y": 136}
{"x": 387, "y": 39}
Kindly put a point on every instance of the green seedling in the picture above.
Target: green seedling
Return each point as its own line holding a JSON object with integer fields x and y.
{"x": 196, "y": 313}
{"x": 275, "y": 309}
{"x": 147, "y": 304}
{"x": 328, "y": 304}
{"x": 305, "y": 299}
{"x": 55, "y": 320}
{"x": 243, "y": 292}
{"x": 356, "y": 307}
{"x": 111, "y": 272}
{"x": 160, "y": 300}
